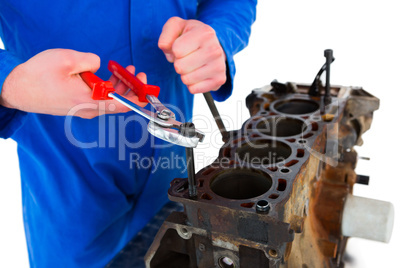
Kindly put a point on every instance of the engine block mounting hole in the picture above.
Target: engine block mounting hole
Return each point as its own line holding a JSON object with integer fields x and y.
{"x": 273, "y": 253}
{"x": 225, "y": 262}
{"x": 262, "y": 206}
{"x": 184, "y": 233}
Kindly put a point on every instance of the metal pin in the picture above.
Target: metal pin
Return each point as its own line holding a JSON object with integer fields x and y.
{"x": 211, "y": 104}
{"x": 192, "y": 186}
{"x": 188, "y": 130}
{"x": 328, "y": 55}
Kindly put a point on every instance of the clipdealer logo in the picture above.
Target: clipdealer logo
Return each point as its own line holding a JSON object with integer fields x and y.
{"x": 113, "y": 131}
{"x": 117, "y": 131}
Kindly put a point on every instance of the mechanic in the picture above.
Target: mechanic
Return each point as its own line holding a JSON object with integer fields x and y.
{"x": 82, "y": 200}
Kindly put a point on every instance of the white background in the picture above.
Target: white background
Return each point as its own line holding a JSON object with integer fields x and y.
{"x": 287, "y": 43}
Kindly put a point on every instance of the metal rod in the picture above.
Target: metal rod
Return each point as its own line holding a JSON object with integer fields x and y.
{"x": 211, "y": 104}
{"x": 328, "y": 55}
{"x": 192, "y": 185}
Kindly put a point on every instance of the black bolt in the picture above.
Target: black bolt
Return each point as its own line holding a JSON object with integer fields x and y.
{"x": 187, "y": 129}
{"x": 362, "y": 179}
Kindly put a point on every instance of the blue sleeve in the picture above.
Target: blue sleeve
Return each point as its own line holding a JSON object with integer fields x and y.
{"x": 10, "y": 119}
{"x": 231, "y": 20}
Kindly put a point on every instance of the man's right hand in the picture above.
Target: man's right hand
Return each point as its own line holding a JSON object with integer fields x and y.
{"x": 49, "y": 83}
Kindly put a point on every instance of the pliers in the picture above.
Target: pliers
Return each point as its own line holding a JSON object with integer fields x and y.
{"x": 162, "y": 124}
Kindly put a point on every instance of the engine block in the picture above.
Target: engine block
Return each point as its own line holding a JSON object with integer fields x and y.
{"x": 280, "y": 192}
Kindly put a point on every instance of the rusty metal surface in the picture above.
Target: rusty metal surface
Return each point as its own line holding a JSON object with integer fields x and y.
{"x": 275, "y": 194}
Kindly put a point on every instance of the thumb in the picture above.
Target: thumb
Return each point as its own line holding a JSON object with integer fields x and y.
{"x": 82, "y": 62}
{"x": 172, "y": 29}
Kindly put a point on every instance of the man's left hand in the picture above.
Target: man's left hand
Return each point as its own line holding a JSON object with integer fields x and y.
{"x": 196, "y": 53}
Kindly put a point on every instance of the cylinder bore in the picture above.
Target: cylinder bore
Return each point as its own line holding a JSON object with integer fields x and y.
{"x": 263, "y": 152}
{"x": 241, "y": 184}
{"x": 296, "y": 106}
{"x": 281, "y": 126}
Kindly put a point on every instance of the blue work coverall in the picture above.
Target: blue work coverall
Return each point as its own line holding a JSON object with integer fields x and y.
{"x": 89, "y": 186}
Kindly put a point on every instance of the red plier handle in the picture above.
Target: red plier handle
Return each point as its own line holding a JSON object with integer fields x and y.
{"x": 140, "y": 89}
{"x": 101, "y": 89}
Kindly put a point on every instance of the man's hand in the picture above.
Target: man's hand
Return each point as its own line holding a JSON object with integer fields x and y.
{"x": 196, "y": 53}
{"x": 49, "y": 83}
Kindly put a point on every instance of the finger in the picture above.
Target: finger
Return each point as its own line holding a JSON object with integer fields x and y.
{"x": 120, "y": 87}
{"x": 114, "y": 79}
{"x": 79, "y": 62}
{"x": 130, "y": 95}
{"x": 202, "y": 87}
{"x": 89, "y": 114}
{"x": 199, "y": 58}
{"x": 134, "y": 98}
{"x": 113, "y": 106}
{"x": 199, "y": 36}
{"x": 206, "y": 85}
{"x": 108, "y": 107}
{"x": 172, "y": 29}
{"x": 214, "y": 70}
{"x": 142, "y": 77}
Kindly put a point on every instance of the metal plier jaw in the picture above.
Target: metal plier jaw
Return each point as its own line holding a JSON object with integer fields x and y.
{"x": 174, "y": 136}
{"x": 162, "y": 123}
{"x": 168, "y": 129}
